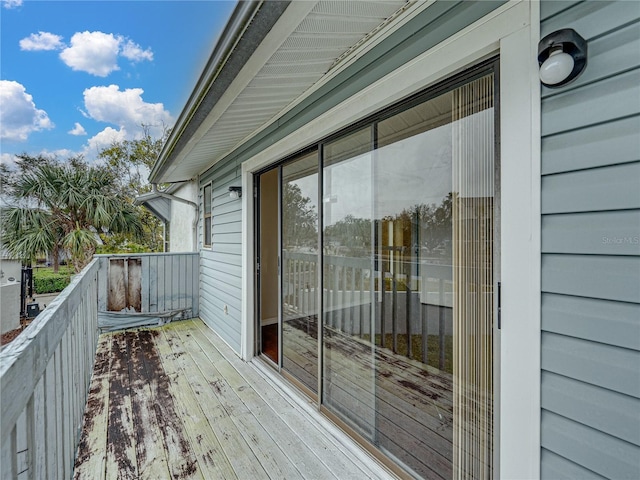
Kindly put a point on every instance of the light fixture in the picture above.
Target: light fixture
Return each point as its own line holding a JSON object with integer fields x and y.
{"x": 562, "y": 56}
{"x": 235, "y": 192}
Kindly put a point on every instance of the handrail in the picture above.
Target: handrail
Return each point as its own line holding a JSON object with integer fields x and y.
{"x": 44, "y": 381}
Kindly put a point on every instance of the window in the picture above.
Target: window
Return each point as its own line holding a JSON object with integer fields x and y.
{"x": 206, "y": 200}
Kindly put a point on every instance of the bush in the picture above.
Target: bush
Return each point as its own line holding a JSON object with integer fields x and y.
{"x": 45, "y": 281}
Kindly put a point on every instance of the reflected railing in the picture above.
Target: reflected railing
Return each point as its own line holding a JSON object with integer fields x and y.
{"x": 412, "y": 314}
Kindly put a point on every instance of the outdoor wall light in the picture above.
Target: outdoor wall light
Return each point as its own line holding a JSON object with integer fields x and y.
{"x": 562, "y": 56}
{"x": 235, "y": 192}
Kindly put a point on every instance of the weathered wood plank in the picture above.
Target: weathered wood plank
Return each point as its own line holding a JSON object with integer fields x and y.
{"x": 42, "y": 390}
{"x": 181, "y": 460}
{"x": 236, "y": 425}
{"x": 342, "y": 464}
{"x": 121, "y": 460}
{"x": 66, "y": 384}
{"x": 22, "y": 449}
{"x": 8, "y": 457}
{"x": 145, "y": 280}
{"x": 160, "y": 279}
{"x": 92, "y": 448}
{"x": 39, "y": 455}
{"x": 150, "y": 451}
{"x": 60, "y": 464}
{"x": 266, "y": 444}
{"x": 218, "y": 414}
{"x": 211, "y": 457}
{"x": 51, "y": 445}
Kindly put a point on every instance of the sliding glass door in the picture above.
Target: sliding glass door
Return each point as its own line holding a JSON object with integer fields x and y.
{"x": 300, "y": 269}
{"x": 387, "y": 255}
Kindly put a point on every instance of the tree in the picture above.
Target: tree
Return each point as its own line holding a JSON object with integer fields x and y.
{"x": 130, "y": 162}
{"x": 56, "y": 206}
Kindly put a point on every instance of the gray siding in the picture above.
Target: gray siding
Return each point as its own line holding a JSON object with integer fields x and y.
{"x": 221, "y": 266}
{"x": 590, "y": 427}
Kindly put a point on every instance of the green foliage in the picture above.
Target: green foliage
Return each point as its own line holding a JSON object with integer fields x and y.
{"x": 117, "y": 245}
{"x": 59, "y": 206}
{"x": 130, "y": 162}
{"x": 45, "y": 280}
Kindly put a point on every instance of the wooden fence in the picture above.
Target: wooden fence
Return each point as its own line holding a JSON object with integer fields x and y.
{"x": 44, "y": 380}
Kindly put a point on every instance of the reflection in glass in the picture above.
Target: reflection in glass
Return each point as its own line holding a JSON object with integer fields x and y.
{"x": 407, "y": 282}
{"x": 300, "y": 269}
{"x": 348, "y": 369}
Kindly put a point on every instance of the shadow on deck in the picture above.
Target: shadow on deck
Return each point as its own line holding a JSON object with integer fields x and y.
{"x": 176, "y": 402}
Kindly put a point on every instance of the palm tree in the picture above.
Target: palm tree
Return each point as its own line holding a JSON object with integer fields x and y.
{"x": 63, "y": 206}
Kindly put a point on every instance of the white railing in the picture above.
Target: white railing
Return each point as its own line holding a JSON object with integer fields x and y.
{"x": 417, "y": 298}
{"x": 44, "y": 381}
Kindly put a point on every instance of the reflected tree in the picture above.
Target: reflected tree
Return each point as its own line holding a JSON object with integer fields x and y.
{"x": 300, "y": 218}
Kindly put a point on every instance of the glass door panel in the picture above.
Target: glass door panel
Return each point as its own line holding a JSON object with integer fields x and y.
{"x": 408, "y": 282}
{"x": 300, "y": 270}
{"x": 348, "y": 256}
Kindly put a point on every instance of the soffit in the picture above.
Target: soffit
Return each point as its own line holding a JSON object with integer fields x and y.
{"x": 305, "y": 52}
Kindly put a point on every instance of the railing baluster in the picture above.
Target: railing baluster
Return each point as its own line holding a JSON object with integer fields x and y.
{"x": 424, "y": 315}
{"x": 49, "y": 397}
{"x": 394, "y": 312}
{"x": 383, "y": 309}
{"x": 441, "y": 325}
{"x": 8, "y": 461}
{"x": 407, "y": 288}
{"x": 38, "y": 429}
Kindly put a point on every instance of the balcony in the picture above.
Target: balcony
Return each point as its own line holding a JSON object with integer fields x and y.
{"x": 170, "y": 401}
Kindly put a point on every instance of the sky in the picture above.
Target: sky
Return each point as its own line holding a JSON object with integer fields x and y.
{"x": 77, "y": 75}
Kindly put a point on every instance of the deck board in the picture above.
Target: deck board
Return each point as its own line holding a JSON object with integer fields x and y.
{"x": 176, "y": 402}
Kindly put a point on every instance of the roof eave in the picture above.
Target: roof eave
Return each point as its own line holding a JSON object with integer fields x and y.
{"x": 225, "y": 62}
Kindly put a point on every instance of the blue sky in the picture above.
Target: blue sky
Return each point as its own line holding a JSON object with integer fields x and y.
{"x": 76, "y": 75}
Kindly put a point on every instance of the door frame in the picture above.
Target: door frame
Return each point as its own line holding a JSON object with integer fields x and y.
{"x": 512, "y": 32}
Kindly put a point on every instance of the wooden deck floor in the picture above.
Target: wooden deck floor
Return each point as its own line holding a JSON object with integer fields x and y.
{"x": 176, "y": 402}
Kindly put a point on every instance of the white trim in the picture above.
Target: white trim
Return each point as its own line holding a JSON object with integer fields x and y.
{"x": 513, "y": 32}
{"x": 247, "y": 329}
{"x": 520, "y": 242}
{"x": 286, "y": 24}
{"x": 468, "y": 46}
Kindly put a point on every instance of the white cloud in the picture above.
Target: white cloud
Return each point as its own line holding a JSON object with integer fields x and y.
{"x": 8, "y": 159}
{"x": 11, "y": 3}
{"x": 97, "y": 52}
{"x": 132, "y": 51}
{"x": 77, "y": 130}
{"x": 18, "y": 113}
{"x": 102, "y": 140}
{"x": 92, "y": 52}
{"x": 41, "y": 41}
{"x": 125, "y": 108}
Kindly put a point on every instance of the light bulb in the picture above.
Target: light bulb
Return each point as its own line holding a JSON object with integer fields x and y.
{"x": 556, "y": 68}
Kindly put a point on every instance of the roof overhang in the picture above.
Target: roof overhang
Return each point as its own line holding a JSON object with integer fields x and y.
{"x": 158, "y": 204}
{"x": 269, "y": 55}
